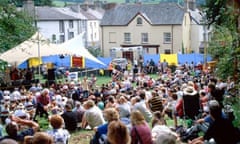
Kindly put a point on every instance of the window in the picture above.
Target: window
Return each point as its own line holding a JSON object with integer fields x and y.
{"x": 71, "y": 24}
{"x": 167, "y": 37}
{"x": 127, "y": 37}
{"x": 139, "y": 21}
{"x": 112, "y": 53}
{"x": 54, "y": 38}
{"x": 112, "y": 37}
{"x": 95, "y": 24}
{"x": 62, "y": 38}
{"x": 144, "y": 37}
{"x": 167, "y": 51}
{"x": 61, "y": 26}
{"x": 71, "y": 35}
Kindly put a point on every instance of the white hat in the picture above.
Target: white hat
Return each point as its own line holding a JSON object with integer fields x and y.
{"x": 65, "y": 87}
{"x": 20, "y": 106}
{"x": 20, "y": 113}
{"x": 189, "y": 90}
{"x": 6, "y": 92}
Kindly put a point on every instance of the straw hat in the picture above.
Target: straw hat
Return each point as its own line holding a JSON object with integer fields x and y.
{"x": 189, "y": 90}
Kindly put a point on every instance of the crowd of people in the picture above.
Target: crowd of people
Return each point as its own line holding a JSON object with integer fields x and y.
{"x": 133, "y": 108}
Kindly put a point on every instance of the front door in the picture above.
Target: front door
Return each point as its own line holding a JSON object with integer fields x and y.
{"x": 128, "y": 55}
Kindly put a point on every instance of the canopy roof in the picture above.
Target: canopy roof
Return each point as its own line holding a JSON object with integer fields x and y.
{"x": 36, "y": 46}
{"x": 75, "y": 47}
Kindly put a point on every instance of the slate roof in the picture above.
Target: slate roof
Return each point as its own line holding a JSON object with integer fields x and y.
{"x": 51, "y": 13}
{"x": 88, "y": 15}
{"x": 155, "y": 14}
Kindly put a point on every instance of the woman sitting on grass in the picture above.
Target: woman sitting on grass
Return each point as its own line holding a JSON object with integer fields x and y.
{"x": 140, "y": 133}
{"x": 118, "y": 133}
{"x": 110, "y": 114}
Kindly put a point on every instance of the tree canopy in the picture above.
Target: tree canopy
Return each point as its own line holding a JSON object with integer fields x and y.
{"x": 19, "y": 3}
{"x": 224, "y": 46}
{"x": 15, "y": 26}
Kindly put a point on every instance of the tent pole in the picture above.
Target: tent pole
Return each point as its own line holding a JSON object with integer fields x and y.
{"x": 39, "y": 72}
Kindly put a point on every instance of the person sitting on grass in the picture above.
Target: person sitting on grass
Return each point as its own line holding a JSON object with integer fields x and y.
{"x": 39, "y": 138}
{"x": 92, "y": 116}
{"x": 162, "y": 134}
{"x": 8, "y": 141}
{"x": 70, "y": 118}
{"x": 110, "y": 114}
{"x": 60, "y": 135}
{"x": 12, "y": 128}
{"x": 140, "y": 132}
{"x": 221, "y": 130}
{"x": 118, "y": 133}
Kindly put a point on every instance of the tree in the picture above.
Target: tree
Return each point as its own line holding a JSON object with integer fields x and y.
{"x": 15, "y": 26}
{"x": 225, "y": 43}
{"x": 19, "y": 3}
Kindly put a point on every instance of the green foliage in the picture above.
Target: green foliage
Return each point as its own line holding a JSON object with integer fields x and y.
{"x": 19, "y": 3}
{"x": 215, "y": 11}
{"x": 15, "y": 26}
{"x": 95, "y": 51}
{"x": 235, "y": 103}
{"x": 224, "y": 45}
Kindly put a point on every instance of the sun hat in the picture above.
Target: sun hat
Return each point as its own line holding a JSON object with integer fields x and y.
{"x": 189, "y": 90}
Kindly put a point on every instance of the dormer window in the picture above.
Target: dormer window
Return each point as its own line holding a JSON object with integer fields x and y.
{"x": 139, "y": 21}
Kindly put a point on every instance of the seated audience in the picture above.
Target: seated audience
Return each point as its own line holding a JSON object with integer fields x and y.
{"x": 221, "y": 130}
{"x": 12, "y": 128}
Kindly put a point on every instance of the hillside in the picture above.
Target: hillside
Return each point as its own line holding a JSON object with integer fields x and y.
{"x": 63, "y": 2}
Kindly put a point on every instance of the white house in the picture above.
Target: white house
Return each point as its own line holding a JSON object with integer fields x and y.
{"x": 93, "y": 17}
{"x": 199, "y": 31}
{"x": 59, "y": 24}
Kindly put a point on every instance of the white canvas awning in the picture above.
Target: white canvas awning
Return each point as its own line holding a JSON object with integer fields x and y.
{"x": 36, "y": 46}
{"x": 75, "y": 47}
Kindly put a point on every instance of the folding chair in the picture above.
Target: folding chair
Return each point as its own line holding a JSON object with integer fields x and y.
{"x": 191, "y": 106}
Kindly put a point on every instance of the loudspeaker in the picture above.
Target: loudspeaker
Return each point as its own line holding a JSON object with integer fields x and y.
{"x": 51, "y": 75}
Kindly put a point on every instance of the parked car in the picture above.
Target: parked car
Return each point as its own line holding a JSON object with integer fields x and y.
{"x": 120, "y": 62}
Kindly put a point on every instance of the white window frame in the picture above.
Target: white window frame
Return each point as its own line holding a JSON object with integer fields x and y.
{"x": 144, "y": 37}
{"x": 139, "y": 21}
{"x": 167, "y": 37}
{"x": 127, "y": 37}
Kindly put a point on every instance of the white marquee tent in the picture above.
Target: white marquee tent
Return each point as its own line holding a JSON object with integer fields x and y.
{"x": 75, "y": 47}
{"x": 38, "y": 46}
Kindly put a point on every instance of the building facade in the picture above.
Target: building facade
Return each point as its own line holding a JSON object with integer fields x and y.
{"x": 156, "y": 28}
{"x": 59, "y": 24}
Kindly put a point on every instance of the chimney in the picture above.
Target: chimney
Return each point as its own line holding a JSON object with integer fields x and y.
{"x": 28, "y": 6}
{"x": 75, "y": 8}
{"x": 85, "y": 6}
{"x": 190, "y": 4}
{"x": 109, "y": 6}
